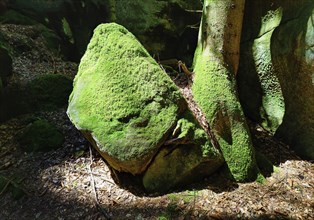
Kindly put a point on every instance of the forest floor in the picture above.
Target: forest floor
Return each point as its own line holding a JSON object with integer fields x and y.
{"x": 74, "y": 182}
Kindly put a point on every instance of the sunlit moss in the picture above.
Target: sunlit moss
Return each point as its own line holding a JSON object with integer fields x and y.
{"x": 215, "y": 92}
{"x": 273, "y": 106}
{"x": 123, "y": 97}
{"x": 67, "y": 30}
{"x": 194, "y": 157}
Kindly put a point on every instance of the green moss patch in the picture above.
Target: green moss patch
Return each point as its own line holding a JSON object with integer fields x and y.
{"x": 122, "y": 100}
{"x": 191, "y": 156}
{"x": 214, "y": 90}
{"x": 40, "y": 136}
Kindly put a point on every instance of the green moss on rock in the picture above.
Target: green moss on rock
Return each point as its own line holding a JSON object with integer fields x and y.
{"x": 272, "y": 108}
{"x": 293, "y": 57}
{"x": 180, "y": 163}
{"x": 40, "y": 136}
{"x": 171, "y": 18}
{"x": 276, "y": 70}
{"x": 49, "y": 91}
{"x": 122, "y": 101}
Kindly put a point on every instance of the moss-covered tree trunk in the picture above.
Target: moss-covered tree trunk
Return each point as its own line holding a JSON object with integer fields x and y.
{"x": 215, "y": 65}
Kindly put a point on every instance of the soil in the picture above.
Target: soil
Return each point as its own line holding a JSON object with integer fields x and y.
{"x": 74, "y": 182}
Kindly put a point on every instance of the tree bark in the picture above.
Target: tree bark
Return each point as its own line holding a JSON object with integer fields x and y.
{"x": 215, "y": 65}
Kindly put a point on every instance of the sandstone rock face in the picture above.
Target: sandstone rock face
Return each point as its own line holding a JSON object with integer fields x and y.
{"x": 167, "y": 29}
{"x": 275, "y": 78}
{"x": 188, "y": 157}
{"x": 135, "y": 116}
{"x": 73, "y": 21}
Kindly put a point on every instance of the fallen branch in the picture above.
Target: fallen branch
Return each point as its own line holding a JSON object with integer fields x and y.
{"x": 92, "y": 180}
{"x": 98, "y": 174}
{"x": 5, "y": 153}
{"x": 5, "y": 187}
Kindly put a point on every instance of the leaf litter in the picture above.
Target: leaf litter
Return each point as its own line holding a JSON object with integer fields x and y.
{"x": 74, "y": 182}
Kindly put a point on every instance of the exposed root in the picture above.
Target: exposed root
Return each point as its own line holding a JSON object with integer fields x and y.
{"x": 184, "y": 80}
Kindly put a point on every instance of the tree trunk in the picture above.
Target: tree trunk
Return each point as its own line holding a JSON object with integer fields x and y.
{"x": 215, "y": 65}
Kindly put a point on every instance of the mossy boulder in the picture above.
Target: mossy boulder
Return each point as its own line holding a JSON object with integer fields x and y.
{"x": 40, "y": 136}
{"x": 189, "y": 155}
{"x": 131, "y": 111}
{"x": 49, "y": 91}
{"x": 275, "y": 78}
{"x": 122, "y": 101}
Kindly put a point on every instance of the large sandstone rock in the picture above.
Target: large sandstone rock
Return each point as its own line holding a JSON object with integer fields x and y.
{"x": 72, "y": 20}
{"x": 276, "y": 70}
{"x": 132, "y": 113}
{"x": 122, "y": 101}
{"x": 190, "y": 156}
{"x": 167, "y": 29}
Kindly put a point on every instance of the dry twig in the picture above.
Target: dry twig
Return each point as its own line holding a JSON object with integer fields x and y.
{"x": 92, "y": 180}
